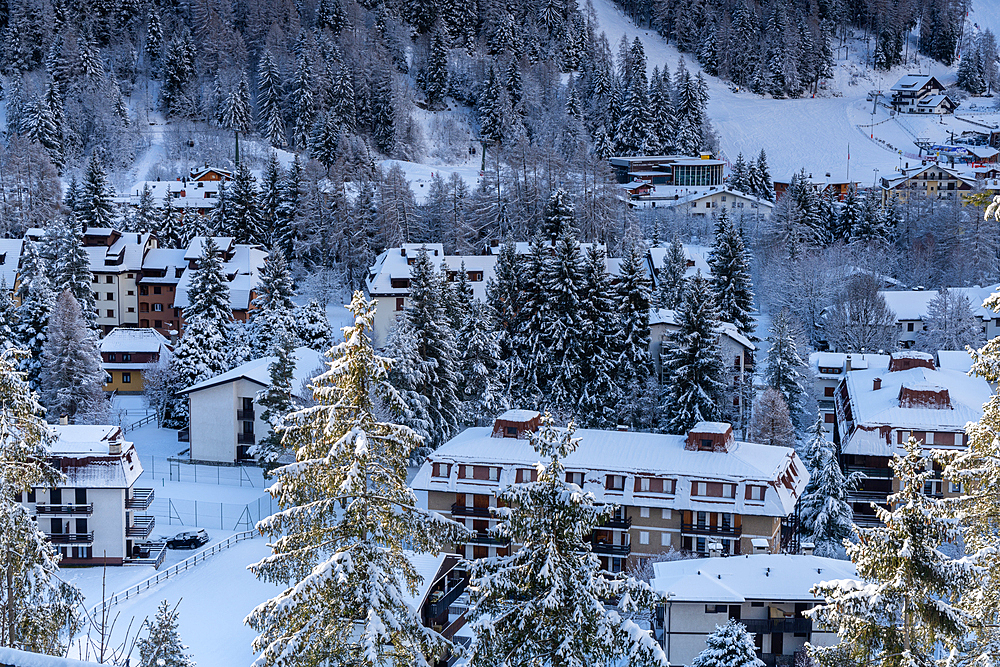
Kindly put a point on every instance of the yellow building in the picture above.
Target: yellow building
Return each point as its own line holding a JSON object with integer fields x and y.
{"x": 126, "y": 354}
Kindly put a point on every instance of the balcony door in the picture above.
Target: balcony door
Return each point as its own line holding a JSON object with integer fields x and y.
{"x": 778, "y": 643}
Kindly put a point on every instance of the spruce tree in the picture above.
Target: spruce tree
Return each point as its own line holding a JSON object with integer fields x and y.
{"x": 559, "y": 216}
{"x": 482, "y": 387}
{"x": 548, "y": 597}
{"x": 600, "y": 391}
{"x": 269, "y": 199}
{"x": 436, "y": 78}
{"x": 39, "y": 609}
{"x": 37, "y": 299}
{"x": 243, "y": 218}
{"x": 277, "y": 399}
{"x": 632, "y": 304}
{"x": 170, "y": 232}
{"x": 272, "y": 315}
{"x": 72, "y": 379}
{"x": 304, "y": 104}
{"x": 730, "y": 263}
{"x": 693, "y": 371}
{"x": 293, "y": 194}
{"x": 785, "y": 367}
{"x": 145, "y": 215}
{"x": 236, "y": 114}
{"x": 384, "y": 120}
{"x": 70, "y": 267}
{"x": 202, "y": 353}
{"x": 765, "y": 188}
{"x": 162, "y": 647}
{"x": 531, "y": 351}
{"x": 739, "y": 177}
{"x": 503, "y": 295}
{"x": 826, "y": 517}
{"x": 347, "y": 519}
{"x": 94, "y": 207}
{"x": 906, "y": 612}
{"x": 270, "y": 118}
{"x": 670, "y": 287}
{"x": 729, "y": 646}
{"x": 208, "y": 293}
{"x": 312, "y": 326}
{"x": 562, "y": 326}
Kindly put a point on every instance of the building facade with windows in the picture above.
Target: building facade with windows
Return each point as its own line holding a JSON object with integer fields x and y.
{"x": 681, "y": 492}
{"x": 766, "y": 593}
{"x": 126, "y": 354}
{"x": 161, "y": 272}
{"x": 95, "y": 515}
{"x": 879, "y": 409}
{"x": 115, "y": 261}
{"x": 225, "y": 419}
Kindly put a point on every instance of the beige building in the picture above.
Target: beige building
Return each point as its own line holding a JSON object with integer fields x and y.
{"x": 683, "y": 492}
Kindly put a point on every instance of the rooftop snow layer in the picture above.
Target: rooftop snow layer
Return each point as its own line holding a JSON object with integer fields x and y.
{"x": 392, "y": 264}
{"x": 954, "y": 360}
{"x": 738, "y": 579}
{"x": 83, "y": 439}
{"x": 519, "y": 415}
{"x": 133, "y": 340}
{"x": 912, "y": 304}
{"x": 669, "y": 318}
{"x": 11, "y": 657}
{"x": 306, "y": 361}
{"x": 711, "y": 427}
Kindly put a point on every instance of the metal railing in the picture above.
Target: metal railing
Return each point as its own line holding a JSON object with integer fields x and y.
{"x": 71, "y": 538}
{"x": 142, "y": 422}
{"x": 442, "y": 604}
{"x": 65, "y": 509}
{"x": 605, "y": 549}
{"x": 141, "y": 499}
{"x": 487, "y": 539}
{"x": 882, "y": 473}
{"x": 465, "y": 510}
{"x": 699, "y": 529}
{"x": 173, "y": 570}
{"x": 142, "y": 527}
{"x": 245, "y": 438}
{"x": 618, "y": 522}
{"x": 774, "y": 625}
{"x": 245, "y": 415}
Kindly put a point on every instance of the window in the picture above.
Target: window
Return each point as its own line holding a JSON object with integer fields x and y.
{"x": 109, "y": 280}
{"x": 399, "y": 303}
{"x": 829, "y": 418}
{"x": 95, "y": 279}
{"x": 126, "y": 378}
{"x": 644, "y": 512}
{"x": 666, "y": 513}
{"x": 157, "y": 307}
{"x": 828, "y": 392}
{"x": 664, "y": 539}
{"x": 110, "y": 296}
{"x": 643, "y": 537}
{"x": 756, "y": 604}
{"x": 955, "y": 488}
{"x": 575, "y": 478}
{"x": 130, "y": 309}
{"x": 80, "y": 498}
{"x": 131, "y": 292}
{"x": 909, "y": 326}
{"x": 157, "y": 289}
{"x": 615, "y": 483}
{"x": 643, "y": 483}
{"x": 705, "y": 445}
{"x": 755, "y": 492}
{"x": 524, "y": 475}
{"x": 441, "y": 470}
{"x": 131, "y": 275}
{"x": 158, "y": 324}
{"x": 126, "y": 356}
{"x": 716, "y": 609}
{"x": 112, "y": 356}
{"x": 31, "y": 495}
{"x": 494, "y": 474}
{"x": 143, "y": 290}
{"x": 713, "y": 489}
{"x": 511, "y": 431}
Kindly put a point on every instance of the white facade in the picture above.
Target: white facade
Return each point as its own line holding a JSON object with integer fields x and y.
{"x": 911, "y": 308}
{"x": 767, "y": 593}
{"x": 95, "y": 515}
{"x": 225, "y": 418}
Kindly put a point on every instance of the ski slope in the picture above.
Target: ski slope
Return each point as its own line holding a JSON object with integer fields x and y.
{"x": 810, "y": 133}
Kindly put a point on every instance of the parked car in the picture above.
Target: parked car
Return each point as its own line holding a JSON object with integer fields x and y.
{"x": 191, "y": 539}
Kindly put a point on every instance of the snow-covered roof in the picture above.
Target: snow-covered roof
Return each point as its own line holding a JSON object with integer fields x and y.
{"x": 933, "y": 101}
{"x": 698, "y": 196}
{"x": 133, "y": 340}
{"x": 696, "y": 255}
{"x": 242, "y": 270}
{"x": 912, "y": 82}
{"x": 195, "y": 249}
{"x": 168, "y": 260}
{"x": 629, "y": 453}
{"x": 98, "y": 468}
{"x": 737, "y": 579}
{"x": 712, "y": 427}
{"x": 392, "y": 264}
{"x": 306, "y": 361}
{"x": 853, "y": 361}
{"x": 912, "y": 304}
{"x": 11, "y": 657}
{"x": 954, "y": 360}
{"x": 828, "y": 360}
{"x": 668, "y": 318}
{"x": 873, "y": 408}
{"x": 519, "y": 415}
{"x": 10, "y": 260}
{"x": 125, "y": 254}
{"x": 196, "y": 194}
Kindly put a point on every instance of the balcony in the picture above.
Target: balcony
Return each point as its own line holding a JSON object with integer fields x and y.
{"x": 71, "y": 538}
{"x": 442, "y": 600}
{"x": 487, "y": 539}
{"x": 881, "y": 473}
{"x": 245, "y": 439}
{"x": 766, "y": 626}
{"x": 141, "y": 527}
{"x": 698, "y": 529}
{"x": 245, "y": 415}
{"x": 141, "y": 499}
{"x": 87, "y": 509}
{"x": 777, "y": 659}
{"x": 465, "y": 510}
{"x": 605, "y": 549}
{"x": 618, "y": 523}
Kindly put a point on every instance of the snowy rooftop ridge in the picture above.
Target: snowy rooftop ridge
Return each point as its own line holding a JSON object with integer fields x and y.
{"x": 737, "y": 579}
{"x": 122, "y": 339}
{"x": 306, "y": 361}
{"x": 669, "y": 318}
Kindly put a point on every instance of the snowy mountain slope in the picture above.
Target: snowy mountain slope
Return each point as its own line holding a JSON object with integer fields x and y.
{"x": 809, "y": 133}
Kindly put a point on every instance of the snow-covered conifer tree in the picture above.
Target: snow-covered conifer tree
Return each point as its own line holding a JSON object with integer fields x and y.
{"x": 482, "y": 387}
{"x": 71, "y": 266}
{"x": 8, "y": 317}
{"x": 347, "y": 516}
{"x": 277, "y": 399}
{"x": 94, "y": 207}
{"x": 39, "y": 610}
{"x": 312, "y": 326}
{"x": 270, "y": 119}
{"x": 548, "y": 597}
{"x": 202, "y": 353}
{"x": 600, "y": 359}
{"x": 162, "y": 647}
{"x": 559, "y": 216}
{"x": 243, "y": 219}
{"x": 72, "y": 379}
{"x": 436, "y": 77}
{"x": 633, "y": 303}
{"x": 208, "y": 295}
{"x": 236, "y": 115}
{"x": 503, "y": 294}
{"x": 670, "y": 281}
{"x": 904, "y": 610}
{"x": 826, "y": 517}
{"x": 272, "y": 315}
{"x": 765, "y": 188}
{"x": 739, "y": 176}
{"x": 693, "y": 372}
{"x": 731, "y": 283}
{"x": 729, "y": 646}
{"x": 37, "y": 300}
{"x": 530, "y": 376}
{"x": 785, "y": 367}
{"x": 771, "y": 423}
{"x": 562, "y": 325}
{"x": 170, "y": 232}
{"x": 305, "y": 105}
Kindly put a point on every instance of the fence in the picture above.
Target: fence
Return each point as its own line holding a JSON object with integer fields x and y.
{"x": 206, "y": 514}
{"x": 159, "y": 467}
{"x": 171, "y": 571}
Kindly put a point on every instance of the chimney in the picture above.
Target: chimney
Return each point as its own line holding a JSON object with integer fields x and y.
{"x": 876, "y": 384}
{"x": 115, "y": 447}
{"x": 808, "y": 548}
{"x": 64, "y": 420}
{"x": 714, "y": 550}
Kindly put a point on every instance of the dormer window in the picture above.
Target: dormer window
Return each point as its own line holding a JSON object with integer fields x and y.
{"x": 615, "y": 483}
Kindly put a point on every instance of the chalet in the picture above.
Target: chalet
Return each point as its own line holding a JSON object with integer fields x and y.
{"x": 225, "y": 422}
{"x": 95, "y": 515}
{"x": 208, "y": 173}
{"x": 766, "y": 593}
{"x": 939, "y": 104}
{"x": 828, "y": 369}
{"x": 126, "y": 355}
{"x": 934, "y": 180}
{"x": 635, "y": 189}
{"x": 680, "y": 491}
{"x": 879, "y": 409}
{"x": 242, "y": 265}
{"x": 912, "y": 89}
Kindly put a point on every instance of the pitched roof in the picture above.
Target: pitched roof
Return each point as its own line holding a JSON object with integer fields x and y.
{"x": 10, "y": 253}
{"x": 912, "y": 304}
{"x": 669, "y": 318}
{"x": 306, "y": 361}
{"x": 912, "y": 82}
{"x": 741, "y": 578}
{"x": 99, "y": 467}
{"x": 122, "y": 339}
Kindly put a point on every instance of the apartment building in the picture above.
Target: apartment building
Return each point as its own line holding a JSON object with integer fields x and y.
{"x": 115, "y": 260}
{"x": 684, "y": 492}
{"x": 94, "y": 516}
{"x": 242, "y": 265}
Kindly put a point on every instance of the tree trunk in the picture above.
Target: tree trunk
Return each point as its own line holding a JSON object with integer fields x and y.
{"x": 10, "y": 606}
